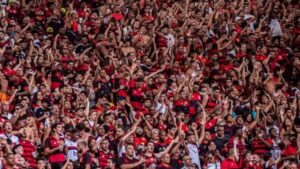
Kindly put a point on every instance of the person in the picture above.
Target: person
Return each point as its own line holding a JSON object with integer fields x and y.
{"x": 231, "y": 162}
{"x": 8, "y": 134}
{"x": 71, "y": 145}
{"x": 128, "y": 160}
{"x": 260, "y": 145}
{"x": 85, "y": 161}
{"x": 165, "y": 162}
{"x": 194, "y": 141}
{"x": 54, "y": 147}
{"x": 130, "y": 77}
{"x": 212, "y": 162}
{"x": 187, "y": 162}
{"x": 105, "y": 154}
{"x": 221, "y": 138}
{"x": 41, "y": 163}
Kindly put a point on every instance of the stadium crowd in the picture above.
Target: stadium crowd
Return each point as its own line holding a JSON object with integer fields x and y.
{"x": 149, "y": 84}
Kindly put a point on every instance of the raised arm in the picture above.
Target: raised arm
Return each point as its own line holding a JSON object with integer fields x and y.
{"x": 132, "y": 130}
{"x": 202, "y": 131}
{"x": 133, "y": 165}
{"x": 158, "y": 155}
{"x": 253, "y": 124}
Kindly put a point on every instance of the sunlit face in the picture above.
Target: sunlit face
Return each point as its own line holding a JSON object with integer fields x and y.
{"x": 166, "y": 158}
{"x": 93, "y": 116}
{"x": 136, "y": 24}
{"x": 207, "y": 136}
{"x": 5, "y": 106}
{"x": 105, "y": 145}
{"x": 130, "y": 150}
{"x": 173, "y": 131}
{"x": 249, "y": 118}
{"x": 212, "y": 146}
{"x": 41, "y": 60}
{"x": 287, "y": 122}
{"x": 150, "y": 147}
{"x": 20, "y": 150}
{"x": 55, "y": 109}
{"x": 70, "y": 166}
{"x": 183, "y": 95}
{"x": 59, "y": 129}
{"x": 8, "y": 127}
{"x": 192, "y": 139}
{"x": 17, "y": 159}
{"x": 119, "y": 132}
{"x": 130, "y": 139}
{"x": 155, "y": 134}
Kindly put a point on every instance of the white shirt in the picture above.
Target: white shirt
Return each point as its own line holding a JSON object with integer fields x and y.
{"x": 215, "y": 165}
{"x": 14, "y": 139}
{"x": 72, "y": 149}
{"x": 276, "y": 151}
{"x": 275, "y": 28}
{"x": 171, "y": 40}
{"x": 194, "y": 154}
{"x": 161, "y": 108}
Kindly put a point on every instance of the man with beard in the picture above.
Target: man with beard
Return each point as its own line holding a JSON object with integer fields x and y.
{"x": 85, "y": 157}
{"x": 221, "y": 138}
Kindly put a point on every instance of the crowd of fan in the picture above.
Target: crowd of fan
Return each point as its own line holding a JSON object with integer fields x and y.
{"x": 149, "y": 84}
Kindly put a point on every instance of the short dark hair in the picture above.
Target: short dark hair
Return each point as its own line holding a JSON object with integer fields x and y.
{"x": 54, "y": 126}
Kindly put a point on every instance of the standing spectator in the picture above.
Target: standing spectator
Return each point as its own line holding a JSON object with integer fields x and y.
{"x": 8, "y": 134}
{"x": 146, "y": 84}
{"x": 86, "y": 159}
{"x": 128, "y": 160}
{"x": 54, "y": 147}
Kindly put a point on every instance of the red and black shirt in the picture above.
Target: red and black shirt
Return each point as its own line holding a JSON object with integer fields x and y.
{"x": 58, "y": 156}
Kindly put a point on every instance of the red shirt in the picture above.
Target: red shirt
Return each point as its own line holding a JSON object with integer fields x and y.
{"x": 104, "y": 157}
{"x": 58, "y": 156}
{"x": 290, "y": 150}
{"x": 259, "y": 147}
{"x": 241, "y": 55}
{"x": 261, "y": 58}
{"x": 163, "y": 166}
{"x": 227, "y": 67}
{"x": 229, "y": 164}
{"x": 241, "y": 146}
{"x": 211, "y": 123}
{"x": 140, "y": 141}
{"x": 29, "y": 150}
{"x": 211, "y": 103}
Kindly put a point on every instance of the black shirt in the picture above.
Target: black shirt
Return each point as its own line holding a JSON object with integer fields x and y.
{"x": 40, "y": 111}
{"x": 220, "y": 142}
